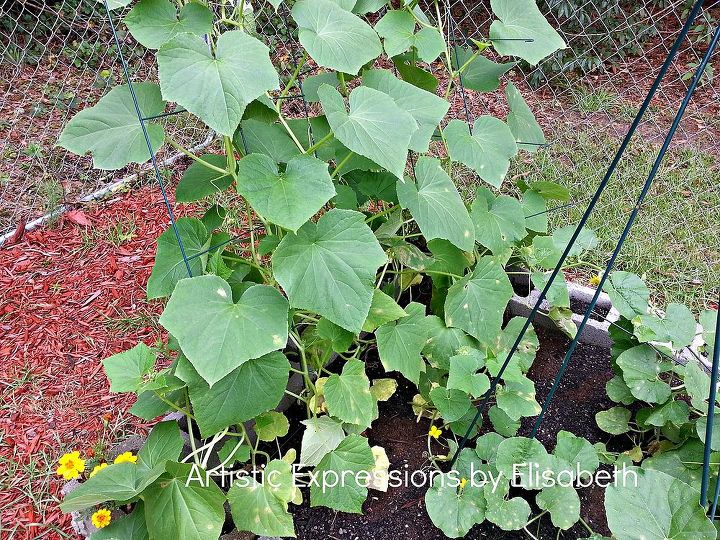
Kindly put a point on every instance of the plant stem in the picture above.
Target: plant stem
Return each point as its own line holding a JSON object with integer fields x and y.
{"x": 286, "y": 126}
{"x": 292, "y": 80}
{"x": 380, "y": 214}
{"x": 318, "y": 144}
{"x": 177, "y": 146}
{"x": 342, "y": 164}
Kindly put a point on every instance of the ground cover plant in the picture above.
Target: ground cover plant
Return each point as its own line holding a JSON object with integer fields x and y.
{"x": 355, "y": 239}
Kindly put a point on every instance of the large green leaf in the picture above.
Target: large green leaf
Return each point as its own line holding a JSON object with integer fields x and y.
{"x": 127, "y": 370}
{"x": 629, "y": 294}
{"x": 376, "y": 127}
{"x": 641, "y": 369}
{"x": 111, "y": 130}
{"x": 481, "y": 74}
{"x": 436, "y": 204}
{"x": 181, "y": 507}
{"x": 464, "y": 375}
{"x": 116, "y": 482}
{"x": 444, "y": 342}
{"x": 400, "y": 343}
{"x": 153, "y": 22}
{"x": 678, "y": 326}
{"x": 348, "y": 395}
{"x": 329, "y": 267}
{"x": 216, "y": 87}
{"x": 170, "y": 267}
{"x": 487, "y": 151}
{"x": 454, "y": 511}
{"x": 262, "y": 380}
{"x": 258, "y": 137}
{"x": 514, "y": 457}
{"x": 576, "y": 451}
{"x": 451, "y": 404}
{"x": 199, "y": 181}
{"x": 164, "y": 443}
{"x": 499, "y": 221}
{"x": 351, "y": 456}
{"x": 655, "y": 507}
{"x": 521, "y": 121}
{"x": 322, "y": 435}
{"x": 262, "y": 507}
{"x": 397, "y": 28}
{"x": 522, "y": 31}
{"x": 287, "y": 198}
{"x": 477, "y": 302}
{"x": 614, "y": 420}
{"x": 218, "y": 335}
{"x": 427, "y": 109}
{"x": 334, "y": 37}
{"x": 382, "y": 310}
{"x": 563, "y": 504}
{"x": 517, "y": 398}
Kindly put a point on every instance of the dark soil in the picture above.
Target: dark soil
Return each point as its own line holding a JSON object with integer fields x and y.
{"x": 399, "y": 514}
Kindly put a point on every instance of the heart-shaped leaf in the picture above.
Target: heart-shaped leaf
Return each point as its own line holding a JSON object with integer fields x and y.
{"x": 218, "y": 335}
{"x": 375, "y": 127}
{"x": 348, "y": 395}
{"x": 153, "y": 22}
{"x": 189, "y": 509}
{"x": 397, "y": 28}
{"x": 111, "y": 130}
{"x": 522, "y": 31}
{"x": 263, "y": 379}
{"x": 426, "y": 108}
{"x": 436, "y": 204}
{"x": 216, "y": 87}
{"x": 351, "y": 456}
{"x": 329, "y": 267}
{"x": 477, "y": 302}
{"x": 487, "y": 150}
{"x": 333, "y": 37}
{"x": 400, "y": 343}
{"x": 499, "y": 221}
{"x": 652, "y": 505}
{"x": 287, "y": 198}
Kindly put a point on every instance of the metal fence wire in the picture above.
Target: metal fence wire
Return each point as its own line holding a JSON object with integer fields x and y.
{"x": 59, "y": 57}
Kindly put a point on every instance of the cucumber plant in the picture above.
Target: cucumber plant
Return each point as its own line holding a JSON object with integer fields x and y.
{"x": 354, "y": 237}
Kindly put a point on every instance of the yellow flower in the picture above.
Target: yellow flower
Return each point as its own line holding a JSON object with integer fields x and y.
{"x": 101, "y": 518}
{"x": 126, "y": 457}
{"x": 70, "y": 465}
{"x": 435, "y": 432}
{"x": 97, "y": 469}
{"x": 463, "y": 482}
{"x": 595, "y": 280}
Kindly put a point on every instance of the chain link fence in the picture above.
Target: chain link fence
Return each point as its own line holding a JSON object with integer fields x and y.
{"x": 58, "y": 57}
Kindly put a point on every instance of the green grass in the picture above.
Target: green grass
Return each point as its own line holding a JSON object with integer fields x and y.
{"x": 675, "y": 242}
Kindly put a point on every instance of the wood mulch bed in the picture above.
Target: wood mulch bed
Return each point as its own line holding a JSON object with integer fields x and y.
{"x": 65, "y": 295}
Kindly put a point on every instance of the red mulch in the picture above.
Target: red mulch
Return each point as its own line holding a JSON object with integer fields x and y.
{"x": 57, "y": 298}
